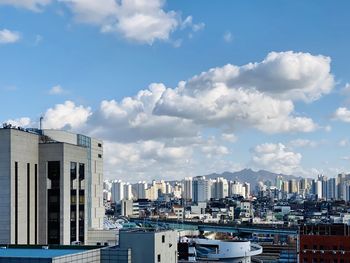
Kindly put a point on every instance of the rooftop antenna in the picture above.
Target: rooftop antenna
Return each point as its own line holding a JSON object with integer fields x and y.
{"x": 41, "y": 122}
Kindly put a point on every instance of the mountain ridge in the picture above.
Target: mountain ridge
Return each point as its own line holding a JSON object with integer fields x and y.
{"x": 251, "y": 176}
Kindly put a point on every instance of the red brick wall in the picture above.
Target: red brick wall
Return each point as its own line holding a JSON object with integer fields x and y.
{"x": 311, "y": 247}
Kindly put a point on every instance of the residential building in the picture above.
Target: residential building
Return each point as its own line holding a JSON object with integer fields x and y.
{"x": 201, "y": 191}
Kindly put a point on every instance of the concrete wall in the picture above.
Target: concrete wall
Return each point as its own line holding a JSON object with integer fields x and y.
{"x": 141, "y": 244}
{"x": 146, "y": 246}
{"x": 21, "y": 147}
{"x": 102, "y": 236}
{"x": 61, "y": 136}
{"x": 5, "y": 186}
{"x": 97, "y": 208}
{"x": 167, "y": 249}
{"x": 65, "y": 153}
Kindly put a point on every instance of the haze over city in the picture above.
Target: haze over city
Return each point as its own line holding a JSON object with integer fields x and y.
{"x": 175, "y": 90}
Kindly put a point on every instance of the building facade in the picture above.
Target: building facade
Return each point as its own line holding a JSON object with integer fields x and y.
{"x": 50, "y": 186}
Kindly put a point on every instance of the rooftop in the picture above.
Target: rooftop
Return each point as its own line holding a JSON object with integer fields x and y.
{"x": 36, "y": 252}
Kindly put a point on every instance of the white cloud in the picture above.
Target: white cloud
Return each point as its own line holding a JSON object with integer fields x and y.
{"x": 228, "y": 37}
{"x": 344, "y": 143}
{"x": 33, "y": 5}
{"x": 298, "y": 143}
{"x": 221, "y": 106}
{"x": 20, "y": 122}
{"x": 66, "y": 116}
{"x": 159, "y": 129}
{"x": 276, "y": 158}
{"x": 188, "y": 22}
{"x": 56, "y": 90}
{"x": 134, "y": 161}
{"x": 8, "y": 37}
{"x": 342, "y": 114}
{"x": 143, "y": 21}
{"x": 283, "y": 75}
{"x": 229, "y": 137}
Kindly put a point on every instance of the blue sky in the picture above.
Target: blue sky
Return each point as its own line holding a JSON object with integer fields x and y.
{"x": 75, "y": 61}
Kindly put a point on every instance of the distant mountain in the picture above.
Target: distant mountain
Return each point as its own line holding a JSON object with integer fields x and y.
{"x": 252, "y": 177}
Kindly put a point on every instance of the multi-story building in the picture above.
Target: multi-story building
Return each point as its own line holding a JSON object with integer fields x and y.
{"x": 220, "y": 188}
{"x": 201, "y": 191}
{"x": 50, "y": 185}
{"x": 117, "y": 191}
{"x": 187, "y": 188}
{"x": 128, "y": 191}
{"x": 332, "y": 189}
{"x": 324, "y": 243}
{"x": 140, "y": 189}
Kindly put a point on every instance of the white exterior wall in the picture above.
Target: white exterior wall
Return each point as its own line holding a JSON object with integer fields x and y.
{"x": 5, "y": 188}
{"x": 117, "y": 191}
{"x": 97, "y": 208}
{"x": 187, "y": 188}
{"x": 21, "y": 147}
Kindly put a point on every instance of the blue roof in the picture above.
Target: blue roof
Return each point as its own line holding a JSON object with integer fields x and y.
{"x": 36, "y": 253}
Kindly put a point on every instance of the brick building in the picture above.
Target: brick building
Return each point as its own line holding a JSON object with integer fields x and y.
{"x": 324, "y": 244}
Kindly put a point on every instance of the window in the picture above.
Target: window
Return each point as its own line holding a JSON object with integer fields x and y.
{"x": 99, "y": 155}
{"x": 163, "y": 239}
{"x": 159, "y": 258}
{"x": 99, "y": 145}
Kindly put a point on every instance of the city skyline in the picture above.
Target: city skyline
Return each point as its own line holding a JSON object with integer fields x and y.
{"x": 196, "y": 90}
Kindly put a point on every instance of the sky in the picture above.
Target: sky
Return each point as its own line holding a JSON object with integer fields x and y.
{"x": 181, "y": 87}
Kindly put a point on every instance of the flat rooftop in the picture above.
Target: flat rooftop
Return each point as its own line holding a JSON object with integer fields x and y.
{"x": 36, "y": 252}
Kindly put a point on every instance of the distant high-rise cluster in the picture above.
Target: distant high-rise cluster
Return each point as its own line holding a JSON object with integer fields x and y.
{"x": 321, "y": 188}
{"x": 196, "y": 189}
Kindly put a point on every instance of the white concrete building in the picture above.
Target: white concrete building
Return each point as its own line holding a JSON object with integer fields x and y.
{"x": 187, "y": 188}
{"x": 117, "y": 191}
{"x": 50, "y": 186}
{"x": 201, "y": 189}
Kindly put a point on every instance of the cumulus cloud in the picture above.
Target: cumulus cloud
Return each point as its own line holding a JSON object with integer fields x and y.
{"x": 33, "y": 5}
{"x": 276, "y": 158}
{"x": 282, "y": 75}
{"x": 232, "y": 109}
{"x": 66, "y": 116}
{"x": 132, "y": 119}
{"x": 143, "y": 21}
{"x": 20, "y": 122}
{"x": 164, "y": 125}
{"x": 8, "y": 37}
{"x": 342, "y": 114}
